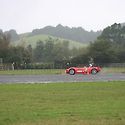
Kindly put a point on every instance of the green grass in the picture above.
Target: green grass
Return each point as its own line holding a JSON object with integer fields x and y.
{"x": 32, "y": 72}
{"x": 113, "y": 70}
{"x": 101, "y": 103}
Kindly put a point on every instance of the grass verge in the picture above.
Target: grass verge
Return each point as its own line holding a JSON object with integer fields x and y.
{"x": 32, "y": 72}
{"x": 113, "y": 70}
{"x": 101, "y": 103}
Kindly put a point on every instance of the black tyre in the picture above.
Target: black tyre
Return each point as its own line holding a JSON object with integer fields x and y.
{"x": 71, "y": 71}
{"x": 94, "y": 71}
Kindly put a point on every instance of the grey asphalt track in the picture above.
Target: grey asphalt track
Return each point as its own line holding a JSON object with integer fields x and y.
{"x": 61, "y": 78}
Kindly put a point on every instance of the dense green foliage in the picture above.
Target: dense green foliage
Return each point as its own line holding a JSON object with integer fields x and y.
{"x": 110, "y": 45}
{"x": 101, "y": 103}
{"x": 11, "y": 54}
{"x": 108, "y": 48}
{"x": 46, "y": 54}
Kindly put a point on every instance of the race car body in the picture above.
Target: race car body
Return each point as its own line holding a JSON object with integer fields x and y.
{"x": 83, "y": 70}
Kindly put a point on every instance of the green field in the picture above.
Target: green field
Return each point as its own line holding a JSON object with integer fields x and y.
{"x": 101, "y": 103}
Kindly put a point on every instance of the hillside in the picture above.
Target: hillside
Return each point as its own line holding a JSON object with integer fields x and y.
{"x": 26, "y": 40}
{"x": 76, "y": 33}
{"x": 76, "y": 36}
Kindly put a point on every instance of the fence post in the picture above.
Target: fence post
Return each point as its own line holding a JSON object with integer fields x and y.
{"x": 13, "y": 66}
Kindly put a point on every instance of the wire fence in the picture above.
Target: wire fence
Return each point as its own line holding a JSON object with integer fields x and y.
{"x": 120, "y": 65}
{"x": 6, "y": 67}
{"x": 51, "y": 66}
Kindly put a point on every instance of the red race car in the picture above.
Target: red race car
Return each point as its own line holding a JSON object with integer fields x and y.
{"x": 83, "y": 70}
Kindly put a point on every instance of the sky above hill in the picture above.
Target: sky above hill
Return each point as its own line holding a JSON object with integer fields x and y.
{"x": 26, "y": 15}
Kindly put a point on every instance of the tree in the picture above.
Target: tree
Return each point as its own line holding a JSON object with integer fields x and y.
{"x": 114, "y": 33}
{"x": 19, "y": 55}
{"x": 48, "y": 50}
{"x": 101, "y": 51}
{"x": 4, "y": 45}
{"x": 38, "y": 53}
{"x": 30, "y": 53}
{"x": 115, "y": 36}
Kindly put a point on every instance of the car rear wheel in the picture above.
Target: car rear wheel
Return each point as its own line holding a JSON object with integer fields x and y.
{"x": 71, "y": 71}
{"x": 94, "y": 71}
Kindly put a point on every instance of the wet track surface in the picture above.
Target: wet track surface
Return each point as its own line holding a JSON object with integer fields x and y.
{"x": 61, "y": 78}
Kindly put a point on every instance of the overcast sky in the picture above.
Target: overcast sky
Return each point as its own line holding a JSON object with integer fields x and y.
{"x": 26, "y": 15}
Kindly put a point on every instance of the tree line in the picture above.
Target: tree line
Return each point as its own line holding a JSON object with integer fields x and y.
{"x": 108, "y": 48}
{"x": 47, "y": 54}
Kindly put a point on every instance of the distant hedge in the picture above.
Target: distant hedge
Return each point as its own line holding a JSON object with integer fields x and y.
{"x": 38, "y": 66}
